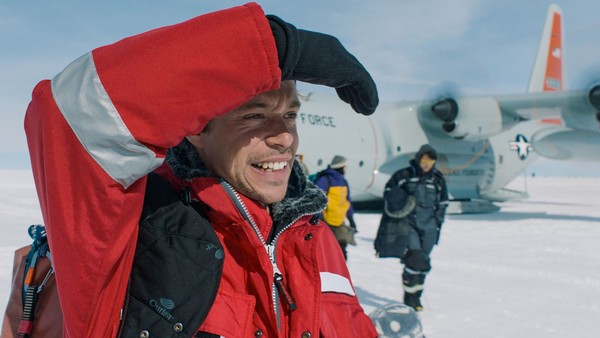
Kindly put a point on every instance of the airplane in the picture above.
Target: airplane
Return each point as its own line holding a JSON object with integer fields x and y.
{"x": 483, "y": 142}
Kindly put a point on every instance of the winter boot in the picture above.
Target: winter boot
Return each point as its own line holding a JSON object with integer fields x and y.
{"x": 413, "y": 284}
{"x": 413, "y": 300}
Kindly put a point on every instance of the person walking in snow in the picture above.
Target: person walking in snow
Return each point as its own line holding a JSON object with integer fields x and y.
{"x": 415, "y": 201}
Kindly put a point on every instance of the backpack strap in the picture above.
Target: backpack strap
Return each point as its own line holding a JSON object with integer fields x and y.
{"x": 31, "y": 292}
{"x": 328, "y": 178}
{"x": 177, "y": 265}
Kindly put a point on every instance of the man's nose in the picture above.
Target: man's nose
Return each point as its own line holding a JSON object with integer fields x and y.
{"x": 280, "y": 135}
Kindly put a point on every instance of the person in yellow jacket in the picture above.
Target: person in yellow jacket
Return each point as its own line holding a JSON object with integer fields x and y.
{"x": 339, "y": 205}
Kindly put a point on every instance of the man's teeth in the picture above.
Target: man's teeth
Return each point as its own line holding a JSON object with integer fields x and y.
{"x": 272, "y": 165}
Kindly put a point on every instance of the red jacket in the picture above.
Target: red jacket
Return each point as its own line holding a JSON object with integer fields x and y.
{"x": 101, "y": 125}
{"x": 306, "y": 255}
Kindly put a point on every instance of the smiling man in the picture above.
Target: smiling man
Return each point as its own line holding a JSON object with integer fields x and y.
{"x": 253, "y": 146}
{"x": 164, "y": 165}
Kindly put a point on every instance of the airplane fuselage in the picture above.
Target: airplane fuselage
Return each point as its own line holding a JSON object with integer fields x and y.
{"x": 380, "y": 144}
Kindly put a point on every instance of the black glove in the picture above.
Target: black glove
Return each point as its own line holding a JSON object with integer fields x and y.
{"x": 321, "y": 59}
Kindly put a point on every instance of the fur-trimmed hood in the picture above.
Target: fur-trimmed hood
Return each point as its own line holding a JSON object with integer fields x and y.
{"x": 302, "y": 197}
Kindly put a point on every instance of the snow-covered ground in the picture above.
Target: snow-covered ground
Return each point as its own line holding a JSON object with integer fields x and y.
{"x": 531, "y": 270}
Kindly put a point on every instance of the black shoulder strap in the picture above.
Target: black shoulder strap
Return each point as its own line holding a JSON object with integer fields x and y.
{"x": 177, "y": 266}
{"x": 328, "y": 178}
{"x": 158, "y": 194}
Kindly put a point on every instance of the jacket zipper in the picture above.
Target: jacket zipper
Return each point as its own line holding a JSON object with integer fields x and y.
{"x": 278, "y": 286}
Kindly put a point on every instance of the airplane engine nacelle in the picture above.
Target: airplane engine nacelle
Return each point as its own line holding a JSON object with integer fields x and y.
{"x": 584, "y": 113}
{"x": 471, "y": 119}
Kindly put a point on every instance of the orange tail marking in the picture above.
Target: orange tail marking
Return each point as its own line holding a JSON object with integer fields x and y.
{"x": 553, "y": 80}
{"x": 553, "y": 121}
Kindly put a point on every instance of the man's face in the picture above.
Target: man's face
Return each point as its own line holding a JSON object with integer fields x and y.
{"x": 426, "y": 163}
{"x": 253, "y": 146}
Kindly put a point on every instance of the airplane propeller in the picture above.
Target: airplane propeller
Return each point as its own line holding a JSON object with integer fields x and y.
{"x": 594, "y": 96}
{"x": 444, "y": 105}
{"x": 590, "y": 80}
{"x": 447, "y": 111}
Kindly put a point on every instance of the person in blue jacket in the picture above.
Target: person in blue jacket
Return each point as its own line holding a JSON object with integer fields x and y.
{"x": 339, "y": 205}
{"x": 415, "y": 201}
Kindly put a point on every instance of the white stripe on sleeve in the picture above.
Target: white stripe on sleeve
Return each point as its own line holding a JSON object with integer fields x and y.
{"x": 331, "y": 282}
{"x": 87, "y": 108}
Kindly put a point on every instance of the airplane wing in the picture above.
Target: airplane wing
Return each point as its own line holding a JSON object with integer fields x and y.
{"x": 571, "y": 117}
{"x": 577, "y": 108}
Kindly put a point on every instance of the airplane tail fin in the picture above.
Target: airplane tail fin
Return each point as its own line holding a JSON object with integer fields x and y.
{"x": 548, "y": 69}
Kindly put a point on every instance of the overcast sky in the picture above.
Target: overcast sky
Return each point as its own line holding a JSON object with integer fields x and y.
{"x": 484, "y": 46}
